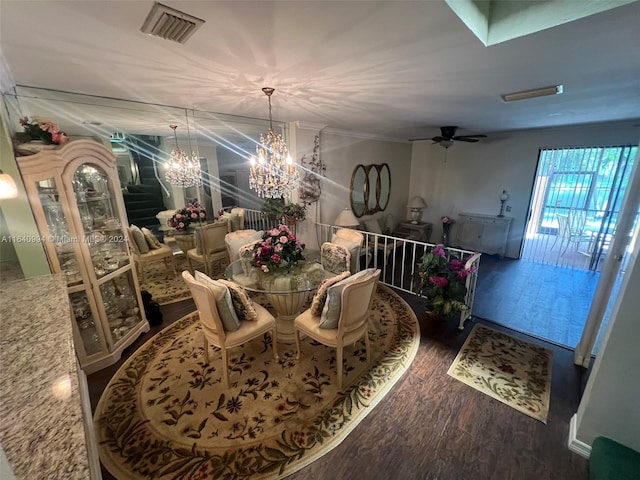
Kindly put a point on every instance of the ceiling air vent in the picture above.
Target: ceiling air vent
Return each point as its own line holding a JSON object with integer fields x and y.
{"x": 170, "y": 24}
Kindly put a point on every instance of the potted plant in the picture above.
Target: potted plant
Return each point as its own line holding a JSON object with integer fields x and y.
{"x": 272, "y": 208}
{"x": 294, "y": 212}
{"x": 443, "y": 283}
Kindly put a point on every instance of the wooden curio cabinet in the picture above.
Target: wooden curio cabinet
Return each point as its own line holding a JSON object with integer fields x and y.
{"x": 76, "y": 200}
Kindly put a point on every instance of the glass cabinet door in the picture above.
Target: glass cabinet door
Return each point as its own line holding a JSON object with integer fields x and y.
{"x": 121, "y": 305}
{"x": 86, "y": 321}
{"x": 58, "y": 238}
{"x": 99, "y": 216}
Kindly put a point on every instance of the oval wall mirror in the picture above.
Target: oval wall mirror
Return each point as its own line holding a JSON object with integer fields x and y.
{"x": 385, "y": 186}
{"x": 370, "y": 189}
{"x": 373, "y": 180}
{"x": 359, "y": 190}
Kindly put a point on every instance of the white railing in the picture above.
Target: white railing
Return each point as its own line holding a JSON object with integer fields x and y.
{"x": 397, "y": 258}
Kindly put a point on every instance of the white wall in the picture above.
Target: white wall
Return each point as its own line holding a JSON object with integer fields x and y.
{"x": 474, "y": 174}
{"x": 610, "y": 405}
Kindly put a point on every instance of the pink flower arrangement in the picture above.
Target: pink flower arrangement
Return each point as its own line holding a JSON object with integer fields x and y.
{"x": 193, "y": 213}
{"x": 443, "y": 282}
{"x": 279, "y": 249}
{"x": 38, "y": 129}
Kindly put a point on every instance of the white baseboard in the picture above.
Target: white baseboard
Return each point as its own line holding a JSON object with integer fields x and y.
{"x": 575, "y": 445}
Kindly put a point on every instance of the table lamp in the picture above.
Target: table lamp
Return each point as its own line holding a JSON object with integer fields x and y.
{"x": 416, "y": 205}
{"x": 503, "y": 198}
{"x": 346, "y": 219}
{"x": 8, "y": 187}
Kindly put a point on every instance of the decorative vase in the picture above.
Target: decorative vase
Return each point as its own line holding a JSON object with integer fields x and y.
{"x": 185, "y": 239}
{"x": 446, "y": 227}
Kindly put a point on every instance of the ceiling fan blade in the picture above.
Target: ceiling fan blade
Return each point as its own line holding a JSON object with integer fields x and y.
{"x": 437, "y": 139}
{"x": 418, "y": 139}
{"x": 465, "y": 137}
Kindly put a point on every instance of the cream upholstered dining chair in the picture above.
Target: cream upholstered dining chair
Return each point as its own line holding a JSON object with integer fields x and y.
{"x": 212, "y": 246}
{"x": 345, "y": 316}
{"x": 353, "y": 241}
{"x": 334, "y": 258}
{"x": 238, "y": 224}
{"x": 239, "y": 238}
{"x": 212, "y": 325}
{"x": 143, "y": 257}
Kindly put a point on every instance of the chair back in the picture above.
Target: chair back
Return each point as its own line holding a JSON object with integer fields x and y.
{"x": 356, "y": 300}
{"x": 563, "y": 225}
{"x": 235, "y": 240}
{"x": 239, "y": 223}
{"x": 212, "y": 237}
{"x": 206, "y": 304}
{"x": 334, "y": 258}
{"x": 577, "y": 220}
{"x": 354, "y": 241}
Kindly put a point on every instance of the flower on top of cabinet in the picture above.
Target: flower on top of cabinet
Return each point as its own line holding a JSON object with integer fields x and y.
{"x": 39, "y": 129}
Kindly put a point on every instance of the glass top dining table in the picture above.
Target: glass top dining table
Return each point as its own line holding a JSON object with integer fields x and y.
{"x": 287, "y": 291}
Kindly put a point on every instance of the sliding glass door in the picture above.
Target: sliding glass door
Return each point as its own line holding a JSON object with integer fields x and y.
{"x": 575, "y": 204}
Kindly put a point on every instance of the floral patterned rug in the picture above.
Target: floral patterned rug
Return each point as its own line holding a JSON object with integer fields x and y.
{"x": 513, "y": 371}
{"x": 164, "y": 286}
{"x": 166, "y": 415}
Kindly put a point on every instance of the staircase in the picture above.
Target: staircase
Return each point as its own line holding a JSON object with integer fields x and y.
{"x": 143, "y": 200}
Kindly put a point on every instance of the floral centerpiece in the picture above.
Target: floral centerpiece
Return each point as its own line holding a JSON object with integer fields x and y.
{"x": 183, "y": 218}
{"x": 278, "y": 250}
{"x": 44, "y": 130}
{"x": 443, "y": 282}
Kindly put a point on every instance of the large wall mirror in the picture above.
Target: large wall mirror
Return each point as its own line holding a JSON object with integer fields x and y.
{"x": 370, "y": 189}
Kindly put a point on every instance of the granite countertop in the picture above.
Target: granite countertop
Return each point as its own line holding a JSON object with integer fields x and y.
{"x": 41, "y": 420}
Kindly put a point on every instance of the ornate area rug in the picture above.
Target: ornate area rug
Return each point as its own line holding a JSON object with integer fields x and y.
{"x": 167, "y": 288}
{"x": 516, "y": 372}
{"x": 166, "y": 415}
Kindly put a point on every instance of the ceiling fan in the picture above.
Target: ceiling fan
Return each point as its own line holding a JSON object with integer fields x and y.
{"x": 448, "y": 136}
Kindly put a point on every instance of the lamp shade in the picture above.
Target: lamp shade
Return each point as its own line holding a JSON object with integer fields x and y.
{"x": 417, "y": 202}
{"x": 8, "y": 187}
{"x": 346, "y": 218}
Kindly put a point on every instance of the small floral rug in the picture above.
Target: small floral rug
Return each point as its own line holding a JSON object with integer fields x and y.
{"x": 510, "y": 370}
{"x": 164, "y": 286}
{"x": 166, "y": 415}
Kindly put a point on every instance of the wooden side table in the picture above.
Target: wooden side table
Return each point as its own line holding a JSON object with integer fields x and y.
{"x": 420, "y": 231}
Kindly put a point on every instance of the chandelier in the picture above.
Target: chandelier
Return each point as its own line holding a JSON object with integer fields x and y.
{"x": 182, "y": 171}
{"x": 272, "y": 174}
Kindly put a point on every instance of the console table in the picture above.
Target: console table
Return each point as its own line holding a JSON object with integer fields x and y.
{"x": 420, "y": 231}
{"x": 483, "y": 233}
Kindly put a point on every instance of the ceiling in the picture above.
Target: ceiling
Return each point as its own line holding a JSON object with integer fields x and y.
{"x": 396, "y": 69}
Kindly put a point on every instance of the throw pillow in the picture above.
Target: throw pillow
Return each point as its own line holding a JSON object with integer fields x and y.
{"x": 331, "y": 311}
{"x": 138, "y": 237}
{"x": 242, "y": 303}
{"x": 224, "y": 303}
{"x": 353, "y": 247}
{"x": 235, "y": 240}
{"x": 319, "y": 299}
{"x": 151, "y": 239}
{"x": 246, "y": 256}
{"x": 334, "y": 258}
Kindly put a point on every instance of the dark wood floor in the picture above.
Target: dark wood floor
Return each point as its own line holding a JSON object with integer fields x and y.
{"x": 431, "y": 426}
